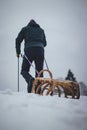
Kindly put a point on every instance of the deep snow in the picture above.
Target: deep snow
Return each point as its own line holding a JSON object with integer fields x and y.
{"x": 22, "y": 111}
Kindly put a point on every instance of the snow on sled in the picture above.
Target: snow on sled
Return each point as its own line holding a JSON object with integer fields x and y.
{"x": 49, "y": 86}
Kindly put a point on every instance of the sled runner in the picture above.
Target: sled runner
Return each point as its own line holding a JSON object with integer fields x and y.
{"x": 48, "y": 86}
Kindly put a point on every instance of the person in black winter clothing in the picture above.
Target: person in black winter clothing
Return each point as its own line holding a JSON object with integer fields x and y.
{"x": 35, "y": 41}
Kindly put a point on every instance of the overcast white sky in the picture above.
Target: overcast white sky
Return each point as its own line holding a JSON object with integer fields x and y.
{"x": 65, "y": 25}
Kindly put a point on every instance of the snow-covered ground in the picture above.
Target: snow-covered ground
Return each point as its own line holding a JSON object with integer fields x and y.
{"x": 22, "y": 111}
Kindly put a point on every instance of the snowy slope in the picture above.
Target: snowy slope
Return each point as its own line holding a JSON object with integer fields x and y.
{"x": 22, "y": 111}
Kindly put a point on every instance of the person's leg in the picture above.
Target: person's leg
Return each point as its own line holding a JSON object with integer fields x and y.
{"x": 24, "y": 71}
{"x": 39, "y": 60}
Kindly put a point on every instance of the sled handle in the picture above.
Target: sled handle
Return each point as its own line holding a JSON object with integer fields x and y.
{"x": 45, "y": 70}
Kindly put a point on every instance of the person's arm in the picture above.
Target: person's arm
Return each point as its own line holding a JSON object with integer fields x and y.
{"x": 44, "y": 40}
{"x": 18, "y": 41}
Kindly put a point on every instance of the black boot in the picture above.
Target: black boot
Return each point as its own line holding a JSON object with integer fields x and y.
{"x": 29, "y": 87}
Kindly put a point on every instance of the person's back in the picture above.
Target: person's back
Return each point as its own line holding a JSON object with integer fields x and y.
{"x": 33, "y": 35}
{"x": 35, "y": 41}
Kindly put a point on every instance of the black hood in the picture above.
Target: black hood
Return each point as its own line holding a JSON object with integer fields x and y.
{"x": 32, "y": 23}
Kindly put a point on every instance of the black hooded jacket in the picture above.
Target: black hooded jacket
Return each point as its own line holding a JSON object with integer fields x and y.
{"x": 33, "y": 36}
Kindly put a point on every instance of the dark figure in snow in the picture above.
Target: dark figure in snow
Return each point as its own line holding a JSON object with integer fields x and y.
{"x": 35, "y": 41}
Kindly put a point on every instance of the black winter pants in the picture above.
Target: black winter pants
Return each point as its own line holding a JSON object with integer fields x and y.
{"x": 35, "y": 54}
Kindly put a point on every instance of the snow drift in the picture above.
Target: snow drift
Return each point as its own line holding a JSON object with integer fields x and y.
{"x": 22, "y": 111}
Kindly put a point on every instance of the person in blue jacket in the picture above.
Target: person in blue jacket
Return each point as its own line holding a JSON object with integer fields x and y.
{"x": 34, "y": 43}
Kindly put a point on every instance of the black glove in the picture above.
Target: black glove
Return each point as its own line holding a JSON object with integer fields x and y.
{"x": 18, "y": 55}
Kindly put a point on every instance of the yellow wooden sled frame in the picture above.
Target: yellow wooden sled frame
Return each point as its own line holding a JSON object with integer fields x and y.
{"x": 51, "y": 84}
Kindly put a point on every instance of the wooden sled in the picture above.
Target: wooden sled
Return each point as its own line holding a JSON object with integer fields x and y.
{"x": 50, "y": 85}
